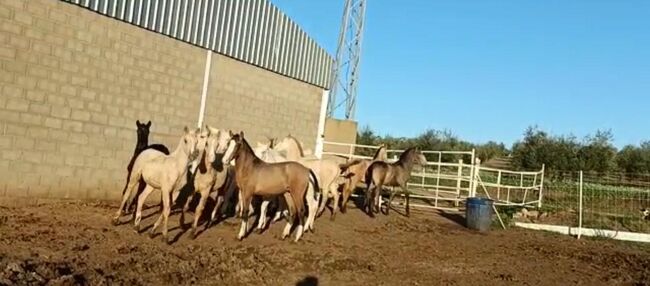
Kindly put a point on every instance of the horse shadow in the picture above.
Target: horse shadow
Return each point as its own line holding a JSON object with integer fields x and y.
{"x": 308, "y": 281}
{"x": 454, "y": 217}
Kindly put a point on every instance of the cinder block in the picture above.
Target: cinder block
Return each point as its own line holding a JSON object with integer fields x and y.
{"x": 60, "y": 135}
{"x": 44, "y": 145}
{"x": 81, "y": 115}
{"x": 38, "y": 132}
{"x": 17, "y": 104}
{"x": 32, "y": 119}
{"x": 61, "y": 112}
{"x": 72, "y": 125}
{"x": 47, "y": 86}
{"x": 15, "y": 129}
{"x": 22, "y": 17}
{"x": 53, "y": 123}
{"x": 42, "y": 47}
{"x": 33, "y": 156}
{"x": 37, "y": 71}
{"x": 11, "y": 27}
{"x": 74, "y": 160}
{"x": 99, "y": 118}
{"x": 7, "y": 52}
{"x": 43, "y": 109}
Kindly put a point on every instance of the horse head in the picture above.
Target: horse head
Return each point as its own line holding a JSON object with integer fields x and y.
{"x": 234, "y": 145}
{"x": 189, "y": 142}
{"x": 142, "y": 130}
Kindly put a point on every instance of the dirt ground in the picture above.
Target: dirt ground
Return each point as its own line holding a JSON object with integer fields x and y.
{"x": 68, "y": 243}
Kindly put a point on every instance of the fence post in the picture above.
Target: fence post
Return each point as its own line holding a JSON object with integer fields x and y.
{"x": 459, "y": 180}
{"x": 320, "y": 133}
{"x": 477, "y": 170}
{"x": 580, "y": 207}
{"x": 204, "y": 91}
{"x": 541, "y": 187}
{"x": 499, "y": 185}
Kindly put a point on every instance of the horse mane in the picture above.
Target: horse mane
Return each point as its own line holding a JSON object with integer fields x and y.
{"x": 302, "y": 152}
{"x": 247, "y": 148}
{"x": 406, "y": 154}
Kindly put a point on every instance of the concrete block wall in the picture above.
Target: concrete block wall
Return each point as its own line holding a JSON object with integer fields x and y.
{"x": 73, "y": 83}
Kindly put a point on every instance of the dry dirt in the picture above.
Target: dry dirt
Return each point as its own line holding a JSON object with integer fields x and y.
{"x": 75, "y": 244}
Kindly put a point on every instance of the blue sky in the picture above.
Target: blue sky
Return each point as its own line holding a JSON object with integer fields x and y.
{"x": 486, "y": 70}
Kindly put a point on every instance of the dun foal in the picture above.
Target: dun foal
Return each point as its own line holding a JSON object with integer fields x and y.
{"x": 256, "y": 177}
{"x": 208, "y": 178}
{"x": 396, "y": 174}
{"x": 142, "y": 143}
{"x": 355, "y": 171}
{"x": 160, "y": 172}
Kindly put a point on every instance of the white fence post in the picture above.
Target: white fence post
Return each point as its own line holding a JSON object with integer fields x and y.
{"x": 320, "y": 133}
{"x": 475, "y": 178}
{"x": 580, "y": 207}
{"x": 459, "y": 180}
{"x": 541, "y": 187}
{"x": 204, "y": 91}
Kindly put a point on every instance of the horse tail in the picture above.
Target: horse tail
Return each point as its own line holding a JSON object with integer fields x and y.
{"x": 368, "y": 175}
{"x": 313, "y": 181}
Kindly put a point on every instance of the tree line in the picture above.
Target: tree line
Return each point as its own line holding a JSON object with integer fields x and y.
{"x": 594, "y": 153}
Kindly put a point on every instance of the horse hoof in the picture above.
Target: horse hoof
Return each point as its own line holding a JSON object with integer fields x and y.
{"x": 259, "y": 230}
{"x": 152, "y": 235}
{"x": 332, "y": 218}
{"x": 116, "y": 221}
{"x": 136, "y": 228}
{"x": 194, "y": 235}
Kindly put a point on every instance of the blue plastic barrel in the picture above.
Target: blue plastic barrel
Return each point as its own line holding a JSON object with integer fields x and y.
{"x": 478, "y": 214}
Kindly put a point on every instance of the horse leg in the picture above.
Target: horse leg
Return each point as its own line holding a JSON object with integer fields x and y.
{"x": 261, "y": 222}
{"x": 300, "y": 211}
{"x": 186, "y": 208}
{"x": 246, "y": 202}
{"x": 335, "y": 194}
{"x": 408, "y": 199}
{"x": 199, "y": 211}
{"x": 217, "y": 206}
{"x": 312, "y": 208}
{"x": 369, "y": 198}
{"x": 377, "y": 197}
{"x": 125, "y": 197}
{"x": 290, "y": 216}
{"x": 138, "y": 213}
{"x": 281, "y": 209}
{"x": 166, "y": 197}
{"x": 390, "y": 201}
{"x": 323, "y": 202}
{"x": 238, "y": 207}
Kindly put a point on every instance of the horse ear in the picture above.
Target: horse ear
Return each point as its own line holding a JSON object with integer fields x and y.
{"x": 208, "y": 129}
{"x": 241, "y": 134}
{"x": 149, "y": 123}
{"x": 137, "y": 123}
{"x": 186, "y": 129}
{"x": 230, "y": 133}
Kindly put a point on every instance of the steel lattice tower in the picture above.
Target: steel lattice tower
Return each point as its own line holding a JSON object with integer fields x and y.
{"x": 345, "y": 74}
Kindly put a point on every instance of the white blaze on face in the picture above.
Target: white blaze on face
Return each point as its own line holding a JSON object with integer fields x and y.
{"x": 211, "y": 149}
{"x": 227, "y": 156}
{"x": 222, "y": 144}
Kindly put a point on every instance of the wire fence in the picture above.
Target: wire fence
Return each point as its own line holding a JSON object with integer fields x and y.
{"x": 609, "y": 202}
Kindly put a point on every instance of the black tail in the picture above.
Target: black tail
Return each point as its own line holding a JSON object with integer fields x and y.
{"x": 315, "y": 182}
{"x": 368, "y": 175}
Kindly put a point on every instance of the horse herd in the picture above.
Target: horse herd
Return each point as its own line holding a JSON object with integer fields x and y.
{"x": 298, "y": 183}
